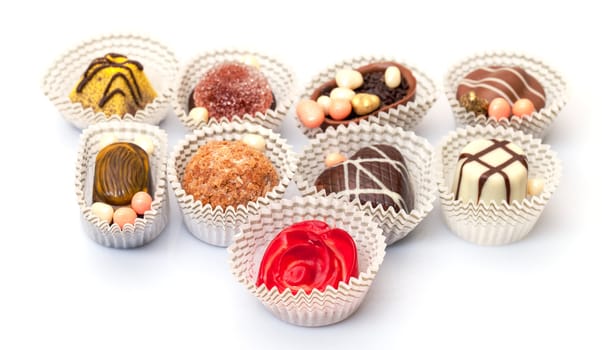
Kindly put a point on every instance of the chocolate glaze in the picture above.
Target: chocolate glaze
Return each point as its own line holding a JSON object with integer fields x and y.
{"x": 492, "y": 170}
{"x": 101, "y": 63}
{"x": 375, "y": 174}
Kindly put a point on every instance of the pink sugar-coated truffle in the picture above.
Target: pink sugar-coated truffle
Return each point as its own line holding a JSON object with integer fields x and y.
{"x": 522, "y": 107}
{"x": 124, "y": 215}
{"x": 233, "y": 88}
{"x": 141, "y": 202}
{"x": 499, "y": 108}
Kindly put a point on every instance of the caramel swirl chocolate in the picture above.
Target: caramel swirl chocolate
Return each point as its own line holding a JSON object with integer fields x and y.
{"x": 121, "y": 170}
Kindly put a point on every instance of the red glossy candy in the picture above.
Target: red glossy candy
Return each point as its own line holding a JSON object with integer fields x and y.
{"x": 307, "y": 255}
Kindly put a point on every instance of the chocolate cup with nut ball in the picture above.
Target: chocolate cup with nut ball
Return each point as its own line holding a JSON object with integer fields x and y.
{"x": 376, "y": 67}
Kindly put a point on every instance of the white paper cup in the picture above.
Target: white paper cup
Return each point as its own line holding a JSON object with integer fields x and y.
{"x": 217, "y": 226}
{"x": 279, "y": 76}
{"x": 160, "y": 66}
{"x": 417, "y": 153}
{"x": 536, "y": 124}
{"x": 406, "y": 116}
{"x": 494, "y": 223}
{"x": 152, "y": 224}
{"x": 318, "y": 308}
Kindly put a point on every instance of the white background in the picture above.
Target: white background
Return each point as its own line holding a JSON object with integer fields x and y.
{"x": 59, "y": 289}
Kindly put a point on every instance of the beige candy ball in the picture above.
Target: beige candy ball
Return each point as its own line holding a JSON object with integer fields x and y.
{"x": 325, "y": 102}
{"x": 107, "y": 139}
{"x": 333, "y": 159}
{"x": 250, "y": 60}
{"x": 254, "y": 141}
{"x": 145, "y": 142}
{"x": 103, "y": 211}
{"x": 342, "y": 93}
{"x": 392, "y": 77}
{"x": 535, "y": 186}
{"x": 349, "y": 78}
{"x": 199, "y": 114}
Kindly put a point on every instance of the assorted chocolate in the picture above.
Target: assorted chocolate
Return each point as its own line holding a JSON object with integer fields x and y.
{"x": 122, "y": 181}
{"x": 491, "y": 171}
{"x": 355, "y": 94}
{"x": 122, "y": 169}
{"x": 501, "y": 92}
{"x": 376, "y": 174}
{"x": 114, "y": 85}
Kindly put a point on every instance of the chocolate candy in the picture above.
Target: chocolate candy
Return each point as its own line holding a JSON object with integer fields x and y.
{"x": 391, "y": 88}
{"x": 509, "y": 83}
{"x": 491, "y": 170}
{"x": 375, "y": 174}
{"x": 121, "y": 170}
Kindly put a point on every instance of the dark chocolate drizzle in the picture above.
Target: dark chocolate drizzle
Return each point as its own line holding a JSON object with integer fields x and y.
{"x": 101, "y": 63}
{"x": 492, "y": 170}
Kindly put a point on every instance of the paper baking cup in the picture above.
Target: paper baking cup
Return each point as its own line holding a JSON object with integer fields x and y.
{"x": 152, "y": 224}
{"x": 279, "y": 76}
{"x": 318, "y": 308}
{"x": 160, "y": 66}
{"x": 217, "y": 226}
{"x": 536, "y": 124}
{"x": 494, "y": 223}
{"x": 417, "y": 153}
{"x": 406, "y": 116}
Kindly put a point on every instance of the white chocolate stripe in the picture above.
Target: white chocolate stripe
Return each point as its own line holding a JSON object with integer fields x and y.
{"x": 493, "y": 80}
{"x": 488, "y": 87}
{"x": 518, "y": 75}
{"x": 384, "y": 190}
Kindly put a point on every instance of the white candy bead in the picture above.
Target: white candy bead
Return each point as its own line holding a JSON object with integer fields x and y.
{"x": 324, "y": 102}
{"x": 254, "y": 141}
{"x": 106, "y": 140}
{"x": 342, "y": 93}
{"x": 535, "y": 186}
{"x": 145, "y": 142}
{"x": 251, "y": 61}
{"x": 199, "y": 114}
{"x": 333, "y": 159}
{"x": 103, "y": 211}
{"x": 392, "y": 77}
{"x": 349, "y": 78}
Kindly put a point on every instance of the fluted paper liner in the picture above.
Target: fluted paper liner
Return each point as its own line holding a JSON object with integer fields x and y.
{"x": 406, "y": 116}
{"x": 154, "y": 221}
{"x": 160, "y": 66}
{"x": 279, "y": 76}
{"x": 536, "y": 124}
{"x": 318, "y": 308}
{"x": 217, "y": 226}
{"x": 494, "y": 223}
{"x": 417, "y": 153}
